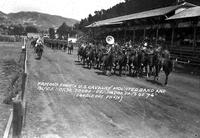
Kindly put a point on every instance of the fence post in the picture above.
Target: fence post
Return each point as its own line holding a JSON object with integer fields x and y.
{"x": 17, "y": 118}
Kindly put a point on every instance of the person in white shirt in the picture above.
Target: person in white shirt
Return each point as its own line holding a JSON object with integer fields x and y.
{"x": 39, "y": 42}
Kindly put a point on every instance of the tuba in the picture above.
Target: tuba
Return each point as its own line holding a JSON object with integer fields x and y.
{"x": 110, "y": 40}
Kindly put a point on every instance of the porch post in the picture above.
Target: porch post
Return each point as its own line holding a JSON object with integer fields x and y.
{"x": 157, "y": 33}
{"x": 172, "y": 37}
{"x": 124, "y": 34}
{"x": 195, "y": 22}
{"x": 134, "y": 35}
{"x": 144, "y": 34}
{"x": 194, "y": 33}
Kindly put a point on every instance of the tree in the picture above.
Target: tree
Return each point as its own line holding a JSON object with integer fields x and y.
{"x": 63, "y": 31}
{"x": 16, "y": 30}
{"x": 31, "y": 29}
{"x": 52, "y": 33}
{"x": 90, "y": 18}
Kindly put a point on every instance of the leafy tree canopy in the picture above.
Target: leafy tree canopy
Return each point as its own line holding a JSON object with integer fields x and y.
{"x": 51, "y": 33}
{"x": 63, "y": 30}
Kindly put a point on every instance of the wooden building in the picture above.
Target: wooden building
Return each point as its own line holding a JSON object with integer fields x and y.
{"x": 176, "y": 27}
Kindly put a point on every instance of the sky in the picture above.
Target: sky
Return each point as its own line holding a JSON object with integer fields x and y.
{"x": 76, "y": 9}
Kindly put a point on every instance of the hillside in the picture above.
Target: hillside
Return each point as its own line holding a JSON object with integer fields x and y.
{"x": 4, "y": 19}
{"x": 3, "y": 15}
{"x": 41, "y": 20}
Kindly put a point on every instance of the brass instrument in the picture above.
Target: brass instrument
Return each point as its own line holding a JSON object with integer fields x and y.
{"x": 110, "y": 40}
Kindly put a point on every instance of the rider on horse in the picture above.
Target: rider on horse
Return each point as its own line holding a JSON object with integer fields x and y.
{"x": 39, "y": 45}
{"x": 147, "y": 48}
{"x": 110, "y": 48}
{"x": 39, "y": 42}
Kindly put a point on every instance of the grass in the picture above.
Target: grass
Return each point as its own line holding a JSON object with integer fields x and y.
{"x": 11, "y": 44}
{"x": 9, "y": 57}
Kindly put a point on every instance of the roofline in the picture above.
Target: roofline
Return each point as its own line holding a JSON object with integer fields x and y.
{"x": 171, "y": 18}
{"x": 178, "y": 6}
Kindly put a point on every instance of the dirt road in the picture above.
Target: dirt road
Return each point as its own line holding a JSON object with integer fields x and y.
{"x": 175, "y": 114}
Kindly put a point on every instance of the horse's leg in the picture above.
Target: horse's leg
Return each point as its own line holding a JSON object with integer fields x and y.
{"x": 115, "y": 67}
{"x": 97, "y": 64}
{"x": 147, "y": 71}
{"x": 166, "y": 78}
{"x": 126, "y": 68}
{"x": 129, "y": 68}
{"x": 109, "y": 69}
{"x": 138, "y": 71}
{"x": 156, "y": 72}
{"x": 83, "y": 61}
{"x": 90, "y": 64}
{"x": 150, "y": 70}
{"x": 120, "y": 70}
{"x": 103, "y": 67}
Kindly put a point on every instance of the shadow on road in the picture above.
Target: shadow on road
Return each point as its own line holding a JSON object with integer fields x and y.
{"x": 100, "y": 73}
{"x": 78, "y": 63}
{"x": 154, "y": 82}
{"x": 38, "y": 58}
{"x": 85, "y": 67}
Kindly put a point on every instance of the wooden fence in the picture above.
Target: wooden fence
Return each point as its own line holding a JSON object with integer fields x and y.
{"x": 190, "y": 55}
{"x": 17, "y": 117}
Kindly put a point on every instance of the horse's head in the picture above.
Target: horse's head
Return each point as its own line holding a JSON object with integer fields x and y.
{"x": 166, "y": 54}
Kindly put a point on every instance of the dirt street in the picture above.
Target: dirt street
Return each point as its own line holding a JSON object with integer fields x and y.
{"x": 175, "y": 114}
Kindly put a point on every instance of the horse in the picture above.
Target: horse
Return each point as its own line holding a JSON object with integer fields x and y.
{"x": 130, "y": 57}
{"x": 64, "y": 47}
{"x": 99, "y": 57}
{"x": 135, "y": 60}
{"x": 148, "y": 61}
{"x": 70, "y": 48}
{"x": 83, "y": 54}
{"x": 79, "y": 53}
{"x": 107, "y": 61}
{"x": 139, "y": 62}
{"x": 33, "y": 42}
{"x": 162, "y": 60}
{"x": 38, "y": 50}
{"x": 90, "y": 56}
{"x": 120, "y": 59}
